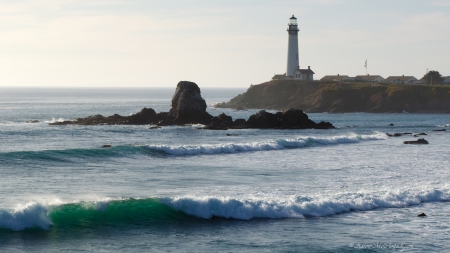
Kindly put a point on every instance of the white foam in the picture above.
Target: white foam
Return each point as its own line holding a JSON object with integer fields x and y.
{"x": 265, "y": 145}
{"x": 31, "y": 215}
{"x": 54, "y": 120}
{"x": 196, "y": 125}
{"x": 36, "y": 214}
{"x": 299, "y": 206}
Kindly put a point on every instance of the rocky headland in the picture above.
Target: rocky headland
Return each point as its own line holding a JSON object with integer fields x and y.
{"x": 337, "y": 97}
{"x": 188, "y": 107}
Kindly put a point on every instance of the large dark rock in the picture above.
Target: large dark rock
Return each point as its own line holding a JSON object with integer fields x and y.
{"x": 188, "y": 106}
{"x": 221, "y": 122}
{"x": 290, "y": 119}
{"x": 262, "y": 119}
{"x": 145, "y": 116}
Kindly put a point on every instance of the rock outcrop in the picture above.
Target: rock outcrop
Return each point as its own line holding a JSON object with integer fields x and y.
{"x": 145, "y": 116}
{"x": 289, "y": 119}
{"x": 188, "y": 107}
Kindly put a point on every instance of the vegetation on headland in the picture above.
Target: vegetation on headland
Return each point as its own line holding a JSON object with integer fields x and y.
{"x": 433, "y": 77}
{"x": 336, "y": 97}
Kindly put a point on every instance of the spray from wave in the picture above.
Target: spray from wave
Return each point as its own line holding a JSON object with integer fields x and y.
{"x": 55, "y": 120}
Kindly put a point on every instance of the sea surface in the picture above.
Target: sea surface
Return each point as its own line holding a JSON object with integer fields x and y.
{"x": 183, "y": 189}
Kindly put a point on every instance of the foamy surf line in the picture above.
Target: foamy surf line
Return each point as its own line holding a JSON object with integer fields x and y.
{"x": 181, "y": 209}
{"x": 263, "y": 146}
{"x": 300, "y": 206}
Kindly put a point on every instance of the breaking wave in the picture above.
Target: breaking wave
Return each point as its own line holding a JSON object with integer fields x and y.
{"x": 154, "y": 211}
{"x": 263, "y": 146}
{"x": 68, "y": 155}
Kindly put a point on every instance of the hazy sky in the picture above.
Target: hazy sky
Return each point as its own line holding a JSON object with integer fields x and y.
{"x": 146, "y": 43}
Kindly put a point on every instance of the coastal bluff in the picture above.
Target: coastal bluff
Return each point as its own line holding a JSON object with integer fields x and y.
{"x": 339, "y": 97}
{"x": 188, "y": 107}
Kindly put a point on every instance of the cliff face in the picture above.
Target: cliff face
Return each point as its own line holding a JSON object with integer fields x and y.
{"x": 343, "y": 97}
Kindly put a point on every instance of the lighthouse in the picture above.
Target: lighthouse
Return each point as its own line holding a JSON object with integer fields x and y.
{"x": 292, "y": 56}
{"x": 293, "y": 70}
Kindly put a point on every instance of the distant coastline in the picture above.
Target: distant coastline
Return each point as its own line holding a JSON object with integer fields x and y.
{"x": 343, "y": 97}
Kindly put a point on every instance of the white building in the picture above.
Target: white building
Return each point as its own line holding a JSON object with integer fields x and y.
{"x": 293, "y": 70}
{"x": 304, "y": 74}
{"x": 445, "y": 79}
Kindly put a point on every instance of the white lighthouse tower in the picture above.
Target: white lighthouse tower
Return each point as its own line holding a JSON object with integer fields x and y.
{"x": 292, "y": 56}
{"x": 293, "y": 70}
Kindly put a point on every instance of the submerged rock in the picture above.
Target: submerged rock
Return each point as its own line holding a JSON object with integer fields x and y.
{"x": 419, "y": 141}
{"x": 421, "y": 215}
{"x": 394, "y": 134}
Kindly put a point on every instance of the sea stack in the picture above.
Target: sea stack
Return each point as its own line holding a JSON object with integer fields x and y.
{"x": 188, "y": 106}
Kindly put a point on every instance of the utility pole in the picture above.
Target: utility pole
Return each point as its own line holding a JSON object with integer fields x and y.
{"x": 365, "y": 66}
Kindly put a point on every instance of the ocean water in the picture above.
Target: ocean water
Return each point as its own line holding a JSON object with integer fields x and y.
{"x": 182, "y": 189}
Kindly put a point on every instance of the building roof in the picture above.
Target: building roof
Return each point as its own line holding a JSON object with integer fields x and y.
{"x": 279, "y": 77}
{"x": 368, "y": 77}
{"x": 400, "y": 78}
{"x": 306, "y": 71}
{"x": 330, "y": 77}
